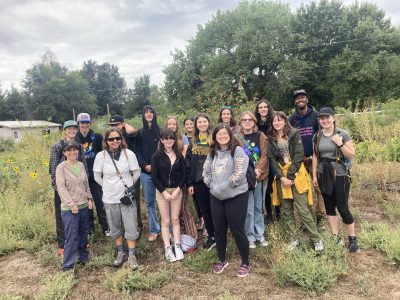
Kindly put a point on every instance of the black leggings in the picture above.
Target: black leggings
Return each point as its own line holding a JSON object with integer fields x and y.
{"x": 231, "y": 212}
{"x": 202, "y": 195}
{"x": 339, "y": 199}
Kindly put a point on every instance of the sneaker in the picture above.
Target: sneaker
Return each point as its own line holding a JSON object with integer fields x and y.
{"x": 353, "y": 244}
{"x": 61, "y": 252}
{"x": 252, "y": 245}
{"x": 132, "y": 262}
{"x": 119, "y": 260}
{"x": 209, "y": 244}
{"x": 263, "y": 243}
{"x": 107, "y": 233}
{"x": 293, "y": 245}
{"x": 243, "y": 271}
{"x": 178, "y": 252}
{"x": 219, "y": 267}
{"x": 152, "y": 237}
{"x": 169, "y": 255}
{"x": 319, "y": 246}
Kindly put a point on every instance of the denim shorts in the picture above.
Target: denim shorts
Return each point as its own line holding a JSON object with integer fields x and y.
{"x": 116, "y": 213}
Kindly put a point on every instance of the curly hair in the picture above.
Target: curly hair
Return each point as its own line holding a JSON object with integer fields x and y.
{"x": 273, "y": 133}
{"x": 232, "y": 121}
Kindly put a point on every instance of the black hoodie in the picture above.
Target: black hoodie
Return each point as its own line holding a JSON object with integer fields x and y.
{"x": 147, "y": 140}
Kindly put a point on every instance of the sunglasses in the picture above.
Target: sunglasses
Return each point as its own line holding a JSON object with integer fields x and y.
{"x": 247, "y": 120}
{"x": 114, "y": 139}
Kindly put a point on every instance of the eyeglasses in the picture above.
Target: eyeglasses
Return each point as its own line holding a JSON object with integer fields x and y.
{"x": 114, "y": 139}
{"x": 247, "y": 120}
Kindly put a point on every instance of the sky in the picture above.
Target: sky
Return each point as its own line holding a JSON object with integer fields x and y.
{"x": 136, "y": 35}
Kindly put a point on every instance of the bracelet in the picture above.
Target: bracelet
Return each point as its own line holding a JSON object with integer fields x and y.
{"x": 341, "y": 145}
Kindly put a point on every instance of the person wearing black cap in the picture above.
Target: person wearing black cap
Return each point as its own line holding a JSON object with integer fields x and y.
{"x": 76, "y": 201}
{"x": 146, "y": 145}
{"x": 70, "y": 129}
{"x": 305, "y": 119}
{"x": 333, "y": 152}
{"x": 92, "y": 144}
{"x": 129, "y": 134}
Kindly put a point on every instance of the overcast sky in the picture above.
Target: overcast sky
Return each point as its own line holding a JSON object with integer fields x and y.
{"x": 135, "y": 35}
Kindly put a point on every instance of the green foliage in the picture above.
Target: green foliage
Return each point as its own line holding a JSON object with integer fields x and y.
{"x": 200, "y": 261}
{"x": 7, "y": 296}
{"x": 226, "y": 295}
{"x": 57, "y": 287}
{"x": 366, "y": 285}
{"x": 381, "y": 237}
{"x": 48, "y": 256}
{"x": 127, "y": 280}
{"x": 104, "y": 259}
{"x": 139, "y": 96}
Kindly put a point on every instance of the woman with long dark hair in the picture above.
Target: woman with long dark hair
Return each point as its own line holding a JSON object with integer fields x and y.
{"x": 116, "y": 168}
{"x": 225, "y": 174}
{"x": 333, "y": 152}
{"x": 196, "y": 155}
{"x": 292, "y": 187}
{"x": 227, "y": 117}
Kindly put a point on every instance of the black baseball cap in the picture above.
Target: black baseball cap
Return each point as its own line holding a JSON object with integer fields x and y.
{"x": 299, "y": 92}
{"x": 71, "y": 145}
{"x": 116, "y": 119}
{"x": 326, "y": 111}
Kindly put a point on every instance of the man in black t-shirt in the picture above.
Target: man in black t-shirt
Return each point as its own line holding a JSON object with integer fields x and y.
{"x": 129, "y": 133}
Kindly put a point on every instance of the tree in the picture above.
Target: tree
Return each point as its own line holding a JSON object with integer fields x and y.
{"x": 52, "y": 92}
{"x": 107, "y": 85}
{"x": 15, "y": 105}
{"x": 139, "y": 96}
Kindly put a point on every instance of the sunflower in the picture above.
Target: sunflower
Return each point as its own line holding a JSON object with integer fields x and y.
{"x": 10, "y": 161}
{"x": 5, "y": 169}
{"x": 16, "y": 169}
{"x": 33, "y": 175}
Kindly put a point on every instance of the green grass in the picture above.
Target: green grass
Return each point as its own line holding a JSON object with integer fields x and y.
{"x": 200, "y": 261}
{"x": 7, "y": 296}
{"x": 57, "y": 287}
{"x": 383, "y": 238}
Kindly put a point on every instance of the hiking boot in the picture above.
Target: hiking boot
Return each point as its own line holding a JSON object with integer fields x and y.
{"x": 252, "y": 245}
{"x": 132, "y": 262}
{"x": 119, "y": 260}
{"x": 319, "y": 246}
{"x": 209, "y": 244}
{"x": 219, "y": 267}
{"x": 178, "y": 252}
{"x": 243, "y": 271}
{"x": 263, "y": 243}
{"x": 293, "y": 245}
{"x": 353, "y": 245}
{"x": 169, "y": 255}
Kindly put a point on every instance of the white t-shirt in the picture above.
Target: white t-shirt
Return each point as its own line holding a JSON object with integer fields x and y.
{"x": 113, "y": 188}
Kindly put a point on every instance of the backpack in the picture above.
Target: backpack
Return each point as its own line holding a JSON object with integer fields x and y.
{"x": 251, "y": 177}
{"x": 188, "y": 243}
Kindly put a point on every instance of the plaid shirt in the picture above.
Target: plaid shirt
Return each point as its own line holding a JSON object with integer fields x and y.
{"x": 57, "y": 157}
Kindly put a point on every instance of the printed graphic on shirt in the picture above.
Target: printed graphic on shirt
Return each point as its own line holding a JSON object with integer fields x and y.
{"x": 306, "y": 131}
{"x": 220, "y": 166}
{"x": 253, "y": 152}
{"x": 88, "y": 150}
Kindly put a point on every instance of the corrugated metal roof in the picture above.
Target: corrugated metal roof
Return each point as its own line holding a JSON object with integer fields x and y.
{"x": 27, "y": 124}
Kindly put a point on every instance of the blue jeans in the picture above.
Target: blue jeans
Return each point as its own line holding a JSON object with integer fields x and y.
{"x": 76, "y": 229}
{"x": 255, "y": 219}
{"x": 149, "y": 191}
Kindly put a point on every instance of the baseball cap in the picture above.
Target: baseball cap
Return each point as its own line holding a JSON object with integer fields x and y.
{"x": 116, "y": 119}
{"x": 299, "y": 92}
{"x": 70, "y": 123}
{"x": 71, "y": 145}
{"x": 326, "y": 111}
{"x": 83, "y": 118}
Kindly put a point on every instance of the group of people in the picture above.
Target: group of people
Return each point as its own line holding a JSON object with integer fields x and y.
{"x": 293, "y": 160}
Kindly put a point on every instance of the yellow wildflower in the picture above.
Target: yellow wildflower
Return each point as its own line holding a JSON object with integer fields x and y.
{"x": 16, "y": 169}
{"x": 33, "y": 175}
{"x": 10, "y": 161}
{"x": 5, "y": 169}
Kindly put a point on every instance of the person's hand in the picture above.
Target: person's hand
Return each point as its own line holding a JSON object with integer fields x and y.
{"x": 75, "y": 209}
{"x": 90, "y": 203}
{"x": 286, "y": 182}
{"x": 175, "y": 193}
{"x": 167, "y": 196}
{"x": 191, "y": 190}
{"x": 338, "y": 140}
{"x": 315, "y": 181}
{"x": 258, "y": 173}
{"x": 147, "y": 168}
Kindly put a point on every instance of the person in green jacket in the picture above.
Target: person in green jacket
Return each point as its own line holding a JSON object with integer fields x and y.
{"x": 286, "y": 152}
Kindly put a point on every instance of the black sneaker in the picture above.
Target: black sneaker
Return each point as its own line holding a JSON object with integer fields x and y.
{"x": 353, "y": 245}
{"x": 209, "y": 244}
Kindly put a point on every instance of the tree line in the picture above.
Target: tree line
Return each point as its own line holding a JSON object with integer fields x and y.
{"x": 343, "y": 55}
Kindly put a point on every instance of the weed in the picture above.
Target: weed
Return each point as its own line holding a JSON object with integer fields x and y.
{"x": 126, "y": 280}
{"x": 143, "y": 246}
{"x": 103, "y": 260}
{"x": 48, "y": 256}
{"x": 200, "y": 261}
{"x": 383, "y": 238}
{"x": 10, "y": 297}
{"x": 366, "y": 285}
{"x": 58, "y": 286}
{"x": 226, "y": 295}
{"x": 392, "y": 209}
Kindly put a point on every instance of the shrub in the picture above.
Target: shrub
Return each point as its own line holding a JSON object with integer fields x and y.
{"x": 58, "y": 286}
{"x": 200, "y": 261}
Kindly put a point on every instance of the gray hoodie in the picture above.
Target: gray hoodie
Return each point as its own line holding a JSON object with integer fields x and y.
{"x": 226, "y": 175}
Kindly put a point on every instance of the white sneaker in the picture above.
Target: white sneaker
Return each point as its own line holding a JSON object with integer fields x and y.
{"x": 293, "y": 245}
{"x": 178, "y": 253}
{"x": 263, "y": 243}
{"x": 319, "y": 246}
{"x": 169, "y": 255}
{"x": 252, "y": 245}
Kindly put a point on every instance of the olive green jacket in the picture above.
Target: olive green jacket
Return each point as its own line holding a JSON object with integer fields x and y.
{"x": 296, "y": 152}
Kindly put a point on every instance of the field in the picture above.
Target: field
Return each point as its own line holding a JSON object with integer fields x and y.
{"x": 30, "y": 266}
